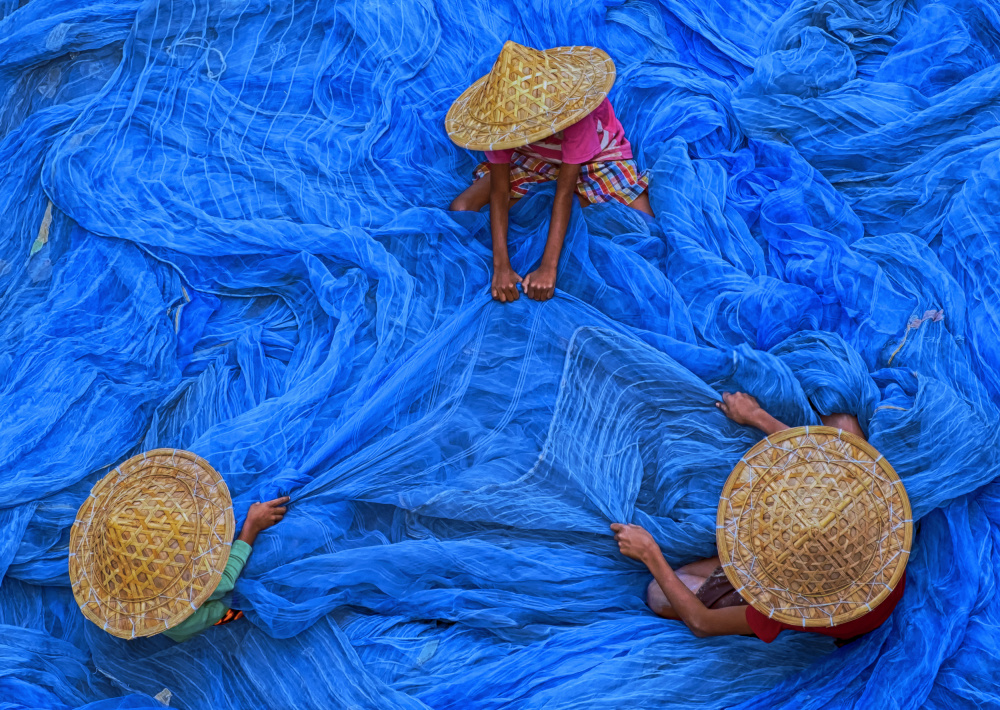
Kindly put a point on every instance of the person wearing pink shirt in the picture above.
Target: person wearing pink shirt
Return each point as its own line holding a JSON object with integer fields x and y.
{"x": 590, "y": 157}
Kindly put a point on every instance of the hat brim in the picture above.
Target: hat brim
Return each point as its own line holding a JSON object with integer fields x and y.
{"x": 166, "y": 581}
{"x": 597, "y": 72}
{"x": 828, "y": 503}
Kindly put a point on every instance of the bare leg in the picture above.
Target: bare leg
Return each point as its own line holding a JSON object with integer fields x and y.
{"x": 693, "y": 575}
{"x": 474, "y": 197}
{"x": 701, "y": 568}
{"x": 847, "y": 422}
{"x": 641, "y": 203}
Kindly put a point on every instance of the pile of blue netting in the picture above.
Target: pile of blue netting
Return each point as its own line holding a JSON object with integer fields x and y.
{"x": 225, "y": 229}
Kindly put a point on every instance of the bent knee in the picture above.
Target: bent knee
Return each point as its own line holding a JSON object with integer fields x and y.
{"x": 657, "y": 601}
{"x": 461, "y": 204}
{"x": 846, "y": 422}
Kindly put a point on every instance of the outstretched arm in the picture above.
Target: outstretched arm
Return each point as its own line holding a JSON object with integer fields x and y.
{"x": 260, "y": 517}
{"x": 847, "y": 422}
{"x": 505, "y": 279}
{"x": 540, "y": 284}
{"x": 635, "y": 542}
{"x": 743, "y": 409}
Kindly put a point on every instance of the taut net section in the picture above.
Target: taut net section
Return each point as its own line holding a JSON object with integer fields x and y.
{"x": 814, "y": 527}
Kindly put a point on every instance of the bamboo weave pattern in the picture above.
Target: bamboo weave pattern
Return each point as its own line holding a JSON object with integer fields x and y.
{"x": 814, "y": 527}
{"x": 530, "y": 95}
{"x": 149, "y": 544}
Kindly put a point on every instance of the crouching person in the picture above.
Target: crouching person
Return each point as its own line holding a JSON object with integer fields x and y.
{"x": 813, "y": 535}
{"x": 152, "y": 549}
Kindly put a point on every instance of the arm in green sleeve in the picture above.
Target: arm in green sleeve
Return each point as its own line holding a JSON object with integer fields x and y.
{"x": 238, "y": 555}
{"x": 217, "y": 604}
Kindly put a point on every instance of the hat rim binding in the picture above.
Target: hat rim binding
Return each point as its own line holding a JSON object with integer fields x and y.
{"x": 96, "y": 607}
{"x": 726, "y": 558}
{"x": 540, "y": 129}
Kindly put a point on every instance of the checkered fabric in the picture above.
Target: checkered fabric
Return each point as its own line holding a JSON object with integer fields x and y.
{"x": 618, "y": 180}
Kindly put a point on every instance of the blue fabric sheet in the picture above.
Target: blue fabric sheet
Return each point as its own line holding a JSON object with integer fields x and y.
{"x": 247, "y": 254}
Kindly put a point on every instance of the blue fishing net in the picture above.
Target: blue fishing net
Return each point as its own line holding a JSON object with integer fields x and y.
{"x": 224, "y": 230}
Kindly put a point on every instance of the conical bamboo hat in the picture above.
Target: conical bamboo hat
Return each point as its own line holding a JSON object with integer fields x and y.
{"x": 530, "y": 95}
{"x": 150, "y": 543}
{"x": 814, "y": 527}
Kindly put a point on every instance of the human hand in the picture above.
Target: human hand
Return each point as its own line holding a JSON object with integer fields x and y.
{"x": 635, "y": 542}
{"x": 261, "y": 516}
{"x": 741, "y": 408}
{"x": 540, "y": 284}
{"x": 505, "y": 281}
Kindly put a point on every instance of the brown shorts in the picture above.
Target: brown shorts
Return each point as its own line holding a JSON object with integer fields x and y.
{"x": 718, "y": 592}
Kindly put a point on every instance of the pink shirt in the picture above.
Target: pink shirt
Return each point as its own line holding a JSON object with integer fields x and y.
{"x": 598, "y": 137}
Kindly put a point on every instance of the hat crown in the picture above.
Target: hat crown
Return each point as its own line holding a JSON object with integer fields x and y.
{"x": 530, "y": 95}
{"x": 148, "y": 537}
{"x": 150, "y": 543}
{"x": 525, "y": 84}
{"x": 818, "y": 528}
{"x": 813, "y": 527}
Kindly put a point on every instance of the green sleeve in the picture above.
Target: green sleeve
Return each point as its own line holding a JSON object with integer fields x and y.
{"x": 217, "y": 604}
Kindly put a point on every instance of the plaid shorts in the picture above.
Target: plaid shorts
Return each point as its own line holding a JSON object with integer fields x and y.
{"x": 617, "y": 180}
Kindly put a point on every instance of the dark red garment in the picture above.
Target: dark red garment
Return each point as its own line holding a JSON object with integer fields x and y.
{"x": 768, "y": 629}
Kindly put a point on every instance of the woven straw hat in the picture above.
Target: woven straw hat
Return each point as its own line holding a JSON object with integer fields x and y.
{"x": 814, "y": 527}
{"x": 150, "y": 543}
{"x": 530, "y": 95}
